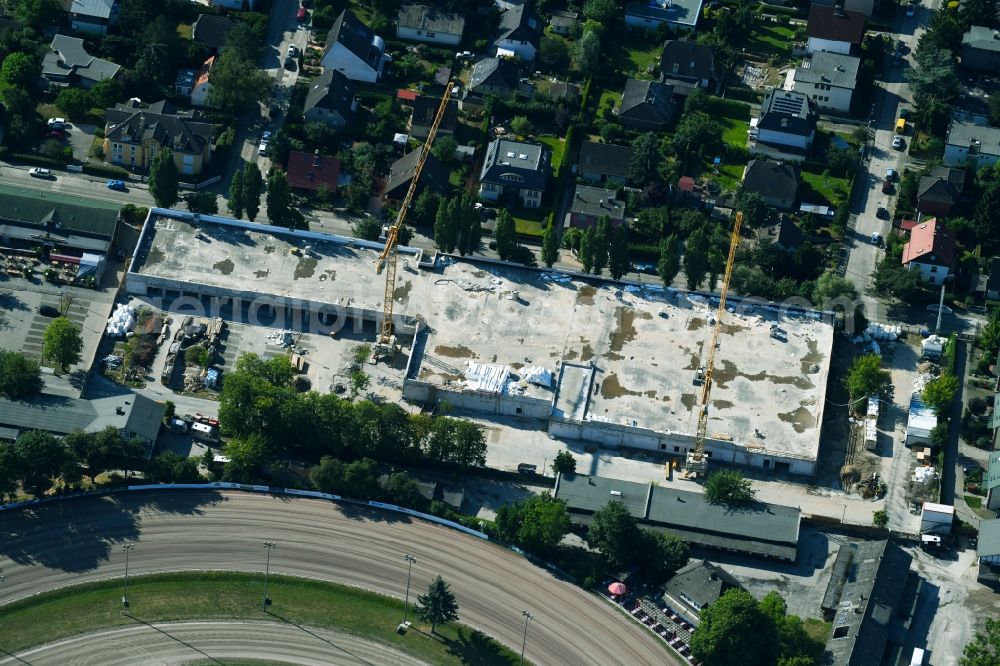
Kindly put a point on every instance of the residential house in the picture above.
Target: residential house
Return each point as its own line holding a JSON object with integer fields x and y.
{"x": 564, "y": 90}
{"x": 870, "y": 594}
{"x": 184, "y": 82}
{"x": 353, "y": 49}
{"x": 941, "y": 192}
{"x": 243, "y": 5}
{"x": 981, "y": 49}
{"x": 784, "y": 234}
{"x": 829, "y": 79}
{"x": 564, "y": 23}
{"x": 649, "y": 105}
{"x": 866, "y": 7}
{"x": 777, "y": 183}
{"x": 134, "y": 135}
{"x": 605, "y": 162}
{"x": 762, "y": 530}
{"x": 973, "y": 145}
{"x": 696, "y": 586}
{"x": 308, "y": 171}
{"x": 425, "y": 109}
{"x": 201, "y": 88}
{"x": 520, "y": 33}
{"x": 931, "y": 250}
{"x": 434, "y": 177}
{"x": 67, "y": 64}
{"x": 515, "y": 170}
{"x": 210, "y": 31}
{"x": 687, "y": 61}
{"x": 786, "y": 126}
{"x": 675, "y": 14}
{"x": 330, "y": 100}
{"x": 490, "y": 76}
{"x": 591, "y": 204}
{"x": 988, "y": 552}
{"x": 93, "y": 16}
{"x": 835, "y": 29}
{"x": 992, "y": 292}
{"x": 420, "y": 23}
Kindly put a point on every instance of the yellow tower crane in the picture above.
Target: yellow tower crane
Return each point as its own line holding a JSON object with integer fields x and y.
{"x": 697, "y": 461}
{"x": 386, "y": 342}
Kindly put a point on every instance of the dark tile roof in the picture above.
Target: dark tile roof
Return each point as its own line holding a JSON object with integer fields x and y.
{"x": 520, "y": 24}
{"x": 942, "y": 184}
{"x": 30, "y": 208}
{"x": 700, "y": 583}
{"x": 606, "y": 159}
{"x": 834, "y": 24}
{"x": 507, "y": 162}
{"x": 683, "y": 58}
{"x": 434, "y": 175}
{"x": 307, "y": 171}
{"x": 352, "y": 34}
{"x": 646, "y": 100}
{"x": 495, "y": 72}
{"x": 430, "y": 19}
{"x": 784, "y": 233}
{"x": 771, "y": 179}
{"x": 211, "y": 30}
{"x": 331, "y": 90}
{"x": 181, "y": 132}
{"x": 425, "y": 108}
{"x": 788, "y": 112}
{"x": 61, "y": 415}
{"x": 993, "y": 284}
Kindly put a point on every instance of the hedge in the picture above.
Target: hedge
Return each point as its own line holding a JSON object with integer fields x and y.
{"x": 39, "y": 160}
{"x": 106, "y": 170}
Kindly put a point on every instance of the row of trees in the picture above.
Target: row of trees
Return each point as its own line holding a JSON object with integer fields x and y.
{"x": 457, "y": 225}
{"x": 600, "y": 246}
{"x": 20, "y": 376}
{"x": 244, "y": 192}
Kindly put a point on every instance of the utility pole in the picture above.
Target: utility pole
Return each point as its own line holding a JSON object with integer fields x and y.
{"x": 409, "y": 567}
{"x": 267, "y": 570}
{"x": 524, "y": 642}
{"x": 126, "y": 548}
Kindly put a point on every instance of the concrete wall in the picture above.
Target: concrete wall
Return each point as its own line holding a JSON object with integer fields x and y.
{"x": 521, "y": 406}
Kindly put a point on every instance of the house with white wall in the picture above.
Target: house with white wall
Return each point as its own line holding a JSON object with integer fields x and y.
{"x": 828, "y": 79}
{"x": 201, "y": 88}
{"x": 520, "y": 33}
{"x": 971, "y": 144}
{"x": 354, "y": 49}
{"x": 931, "y": 250}
{"x": 786, "y": 126}
{"x": 94, "y": 16}
{"x": 420, "y": 23}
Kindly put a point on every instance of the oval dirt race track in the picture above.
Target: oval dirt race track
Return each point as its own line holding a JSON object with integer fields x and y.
{"x": 75, "y": 541}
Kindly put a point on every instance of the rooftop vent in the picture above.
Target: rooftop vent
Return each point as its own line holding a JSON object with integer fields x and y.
{"x": 522, "y": 156}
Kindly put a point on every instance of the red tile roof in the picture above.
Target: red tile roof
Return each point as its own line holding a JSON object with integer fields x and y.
{"x": 686, "y": 184}
{"x": 930, "y": 243}
{"x": 906, "y": 225}
{"x": 408, "y": 95}
{"x": 826, "y": 23}
{"x": 306, "y": 170}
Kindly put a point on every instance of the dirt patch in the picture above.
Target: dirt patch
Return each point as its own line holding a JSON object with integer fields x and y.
{"x": 801, "y": 419}
{"x": 587, "y": 354}
{"x": 688, "y": 400}
{"x": 516, "y": 366}
{"x": 261, "y": 274}
{"x": 305, "y": 268}
{"x": 611, "y": 388}
{"x": 402, "y": 294}
{"x": 586, "y": 295}
{"x": 642, "y": 314}
{"x": 650, "y": 394}
{"x": 479, "y": 274}
{"x": 453, "y": 352}
{"x": 812, "y": 358}
{"x": 727, "y": 372}
{"x": 225, "y": 266}
{"x": 730, "y": 329}
{"x": 570, "y": 355}
{"x": 155, "y": 256}
{"x": 695, "y": 324}
{"x": 721, "y": 404}
{"x": 626, "y": 328}
{"x": 268, "y": 249}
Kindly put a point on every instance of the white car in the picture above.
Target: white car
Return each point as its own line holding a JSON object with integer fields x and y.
{"x": 293, "y": 51}
{"x": 897, "y": 142}
{"x": 39, "y": 172}
{"x": 262, "y": 149}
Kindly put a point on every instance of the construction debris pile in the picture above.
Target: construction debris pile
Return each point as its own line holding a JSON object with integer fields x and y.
{"x": 121, "y": 321}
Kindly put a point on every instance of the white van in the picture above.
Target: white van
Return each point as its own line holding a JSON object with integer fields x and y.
{"x": 204, "y": 432}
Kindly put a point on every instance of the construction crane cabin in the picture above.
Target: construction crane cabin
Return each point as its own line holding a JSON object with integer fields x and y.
{"x": 385, "y": 344}
{"x": 697, "y": 462}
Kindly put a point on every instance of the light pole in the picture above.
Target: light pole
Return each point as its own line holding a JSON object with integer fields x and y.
{"x": 267, "y": 570}
{"x": 409, "y": 567}
{"x": 126, "y": 548}
{"x": 527, "y": 618}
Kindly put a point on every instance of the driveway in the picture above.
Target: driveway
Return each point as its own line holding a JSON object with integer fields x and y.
{"x": 81, "y": 137}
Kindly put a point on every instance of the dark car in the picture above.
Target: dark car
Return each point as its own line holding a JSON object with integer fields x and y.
{"x": 887, "y": 187}
{"x": 289, "y": 62}
{"x": 882, "y": 212}
{"x": 48, "y": 311}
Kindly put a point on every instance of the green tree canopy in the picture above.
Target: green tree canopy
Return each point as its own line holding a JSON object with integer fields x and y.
{"x": 43, "y": 458}
{"x": 164, "y": 179}
{"x": 62, "y": 342}
{"x": 734, "y": 630}
{"x": 20, "y": 376}
{"x": 939, "y": 393}
{"x": 984, "y": 649}
{"x": 506, "y": 235}
{"x": 10, "y": 472}
{"x": 253, "y": 187}
{"x": 550, "y": 244}
{"x": 247, "y": 457}
{"x": 866, "y": 376}
{"x": 728, "y": 487}
{"x": 696, "y": 259}
{"x": 564, "y": 463}
{"x": 662, "y": 555}
{"x": 237, "y": 195}
{"x": 831, "y": 287}
{"x": 237, "y": 82}
{"x": 670, "y": 259}
{"x": 537, "y": 524}
{"x": 170, "y": 467}
{"x": 279, "y": 199}
{"x": 588, "y": 52}
{"x": 438, "y": 605}
{"x": 74, "y": 102}
{"x": 615, "y": 533}
{"x": 521, "y": 126}
{"x": 18, "y": 69}
{"x": 618, "y": 262}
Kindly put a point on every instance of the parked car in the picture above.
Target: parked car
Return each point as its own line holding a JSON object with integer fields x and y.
{"x": 877, "y": 240}
{"x": 39, "y": 172}
{"x": 293, "y": 50}
{"x": 890, "y": 174}
{"x": 897, "y": 142}
{"x": 118, "y": 185}
{"x": 56, "y": 123}
{"x": 265, "y": 136}
{"x": 882, "y": 212}
{"x": 301, "y": 16}
{"x": 48, "y": 311}
{"x": 262, "y": 148}
{"x": 911, "y": 8}
{"x": 289, "y": 62}
{"x": 886, "y": 187}
{"x": 55, "y": 134}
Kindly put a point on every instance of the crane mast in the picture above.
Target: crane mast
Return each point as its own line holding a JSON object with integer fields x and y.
{"x": 697, "y": 461}
{"x": 385, "y": 344}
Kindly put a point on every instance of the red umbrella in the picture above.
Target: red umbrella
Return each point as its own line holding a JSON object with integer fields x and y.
{"x": 617, "y": 589}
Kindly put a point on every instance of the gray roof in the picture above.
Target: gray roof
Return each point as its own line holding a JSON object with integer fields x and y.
{"x": 495, "y": 72}
{"x": 648, "y": 99}
{"x": 771, "y": 179}
{"x": 788, "y": 112}
{"x": 942, "y": 184}
{"x": 980, "y": 37}
{"x": 96, "y": 8}
{"x": 331, "y": 90}
{"x": 680, "y": 12}
{"x": 67, "y": 55}
{"x": 598, "y": 202}
{"x": 180, "y": 131}
{"x": 869, "y": 600}
{"x": 989, "y": 538}
{"x": 352, "y": 34}
{"x": 434, "y": 175}
{"x": 32, "y": 208}
{"x": 432, "y": 19}
{"x": 991, "y": 479}
{"x": 513, "y": 162}
{"x": 769, "y": 530}
{"x": 136, "y": 414}
{"x": 700, "y": 583}
{"x": 835, "y": 69}
{"x": 964, "y": 134}
{"x": 684, "y": 58}
{"x": 520, "y": 24}
{"x": 211, "y": 30}
{"x": 838, "y": 577}
{"x": 606, "y": 159}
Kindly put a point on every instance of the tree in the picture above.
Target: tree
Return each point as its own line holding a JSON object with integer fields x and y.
{"x": 696, "y": 261}
{"x": 663, "y": 554}
{"x": 202, "y": 202}
{"x": 536, "y": 524}
{"x": 359, "y": 382}
{"x": 106, "y": 93}
{"x": 831, "y": 287}
{"x": 587, "y": 251}
{"x": 62, "y": 343}
{"x": 253, "y": 187}
{"x": 170, "y": 467}
{"x": 438, "y": 605}
{"x": 456, "y": 441}
{"x": 670, "y": 259}
{"x": 43, "y": 457}
{"x": 236, "y": 82}
{"x": 615, "y": 533}
{"x": 696, "y": 129}
{"x": 550, "y": 244}
{"x": 588, "y": 52}
{"x": 74, "y": 102}
{"x": 446, "y": 226}
{"x": 425, "y": 206}
{"x": 368, "y": 228}
{"x": 521, "y": 126}
{"x": 469, "y": 224}
{"x": 444, "y": 149}
{"x": 37, "y": 13}
{"x": 601, "y": 11}
{"x": 553, "y": 53}
{"x": 601, "y": 243}
{"x": 618, "y": 254}
{"x": 247, "y": 457}
{"x": 728, "y": 487}
{"x": 253, "y": 394}
{"x": 404, "y": 490}
{"x": 734, "y": 630}
{"x": 933, "y": 74}
{"x": 564, "y": 463}
{"x": 981, "y": 12}
{"x": 866, "y": 376}
{"x": 18, "y": 69}
{"x": 20, "y": 376}
{"x": 990, "y": 337}
{"x": 279, "y": 198}
{"x": 10, "y": 472}
{"x": 984, "y": 650}
{"x": 880, "y": 518}
{"x": 164, "y": 178}
{"x": 939, "y": 393}
{"x": 237, "y": 195}
{"x": 244, "y": 39}
{"x": 506, "y": 235}
{"x": 645, "y": 158}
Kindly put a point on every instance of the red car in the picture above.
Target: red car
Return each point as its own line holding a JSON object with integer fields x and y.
{"x": 302, "y": 14}
{"x": 56, "y": 134}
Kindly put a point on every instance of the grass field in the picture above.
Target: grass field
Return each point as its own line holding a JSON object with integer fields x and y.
{"x": 236, "y": 596}
{"x": 558, "y": 147}
{"x": 771, "y": 38}
{"x": 832, "y": 190}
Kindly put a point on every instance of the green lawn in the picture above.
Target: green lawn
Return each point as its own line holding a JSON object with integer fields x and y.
{"x": 771, "y": 38}
{"x": 630, "y": 54}
{"x": 833, "y": 190}
{"x": 558, "y": 147}
{"x": 530, "y": 221}
{"x": 236, "y": 596}
{"x": 818, "y": 630}
{"x": 973, "y": 501}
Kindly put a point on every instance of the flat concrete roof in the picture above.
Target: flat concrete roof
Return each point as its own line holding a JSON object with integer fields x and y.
{"x": 645, "y": 345}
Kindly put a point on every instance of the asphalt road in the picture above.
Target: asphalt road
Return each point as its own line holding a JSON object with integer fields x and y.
{"x": 186, "y": 642}
{"x": 76, "y": 541}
